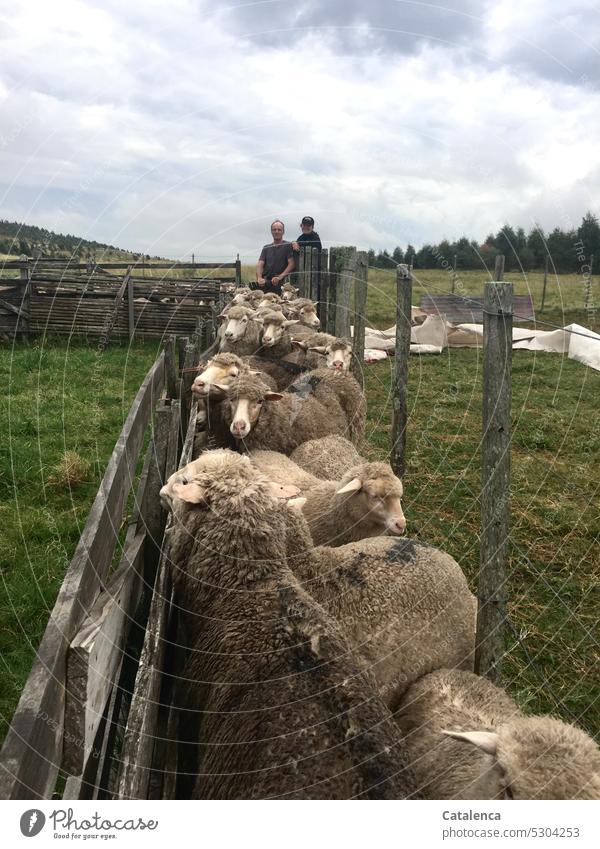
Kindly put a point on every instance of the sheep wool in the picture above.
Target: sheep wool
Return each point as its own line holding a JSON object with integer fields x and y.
{"x": 273, "y": 704}
{"x": 469, "y": 740}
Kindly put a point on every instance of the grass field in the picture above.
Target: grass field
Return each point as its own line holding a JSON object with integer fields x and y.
{"x": 64, "y": 398}
{"x": 57, "y": 398}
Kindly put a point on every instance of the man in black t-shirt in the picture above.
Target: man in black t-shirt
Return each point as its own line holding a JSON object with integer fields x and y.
{"x": 276, "y": 261}
{"x": 310, "y": 237}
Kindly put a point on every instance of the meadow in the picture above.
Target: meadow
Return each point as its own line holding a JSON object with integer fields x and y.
{"x": 68, "y": 397}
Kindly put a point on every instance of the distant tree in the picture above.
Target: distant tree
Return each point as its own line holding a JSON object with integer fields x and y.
{"x": 561, "y": 247}
{"x": 398, "y": 255}
{"x": 589, "y": 234}
{"x": 371, "y": 257}
{"x": 409, "y": 255}
{"x": 536, "y": 242}
{"x": 426, "y": 257}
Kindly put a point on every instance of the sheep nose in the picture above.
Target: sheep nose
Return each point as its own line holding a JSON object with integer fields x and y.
{"x": 267, "y": 340}
{"x": 238, "y": 427}
{"x": 400, "y": 525}
{"x": 338, "y": 365}
{"x": 199, "y": 384}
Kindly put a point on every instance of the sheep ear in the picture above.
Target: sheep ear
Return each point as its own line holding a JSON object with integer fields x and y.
{"x": 221, "y": 317}
{"x": 290, "y": 321}
{"x": 299, "y": 344}
{"x": 319, "y": 349}
{"x": 487, "y": 741}
{"x": 279, "y": 490}
{"x": 354, "y": 486}
{"x": 273, "y": 396}
{"x": 296, "y": 503}
{"x": 190, "y": 492}
{"x": 257, "y": 318}
{"x": 222, "y": 386}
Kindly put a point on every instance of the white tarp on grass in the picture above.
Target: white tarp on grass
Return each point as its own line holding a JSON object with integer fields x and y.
{"x": 435, "y": 334}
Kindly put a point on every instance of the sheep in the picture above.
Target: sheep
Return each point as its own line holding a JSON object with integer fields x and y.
{"x": 259, "y": 418}
{"x": 323, "y": 382}
{"x": 269, "y": 299}
{"x": 337, "y": 350}
{"x": 365, "y": 503}
{"x": 222, "y": 368}
{"x": 305, "y": 310}
{"x": 289, "y": 292}
{"x": 328, "y": 457}
{"x": 242, "y": 333}
{"x": 469, "y": 740}
{"x": 271, "y": 700}
{"x": 276, "y": 341}
{"x": 302, "y": 413}
{"x": 404, "y": 607}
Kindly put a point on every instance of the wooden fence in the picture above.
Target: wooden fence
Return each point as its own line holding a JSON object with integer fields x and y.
{"x": 86, "y": 724}
{"x": 111, "y": 298}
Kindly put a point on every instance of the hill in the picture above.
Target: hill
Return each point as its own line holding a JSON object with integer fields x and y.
{"x": 17, "y": 239}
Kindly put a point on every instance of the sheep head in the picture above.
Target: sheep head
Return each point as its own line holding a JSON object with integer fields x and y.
{"x": 247, "y": 394}
{"x": 217, "y": 475}
{"x": 338, "y": 354}
{"x": 219, "y": 372}
{"x": 237, "y": 320}
{"x": 274, "y": 326}
{"x": 376, "y": 494}
{"x": 305, "y": 311}
{"x": 534, "y": 757}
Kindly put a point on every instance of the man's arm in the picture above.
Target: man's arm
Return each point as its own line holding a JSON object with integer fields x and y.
{"x": 287, "y": 270}
{"x": 260, "y": 267}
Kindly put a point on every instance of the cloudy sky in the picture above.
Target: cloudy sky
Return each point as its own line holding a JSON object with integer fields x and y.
{"x": 187, "y": 126}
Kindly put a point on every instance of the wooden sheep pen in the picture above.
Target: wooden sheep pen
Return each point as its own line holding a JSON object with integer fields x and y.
{"x": 110, "y": 298}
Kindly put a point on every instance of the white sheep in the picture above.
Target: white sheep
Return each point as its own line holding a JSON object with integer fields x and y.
{"x": 469, "y": 740}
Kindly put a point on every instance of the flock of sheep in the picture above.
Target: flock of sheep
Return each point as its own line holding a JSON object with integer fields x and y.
{"x": 329, "y": 656}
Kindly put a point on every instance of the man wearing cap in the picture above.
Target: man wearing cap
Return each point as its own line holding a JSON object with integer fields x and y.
{"x": 276, "y": 261}
{"x": 310, "y": 237}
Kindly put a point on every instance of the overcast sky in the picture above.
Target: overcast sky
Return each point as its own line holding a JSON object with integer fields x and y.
{"x": 187, "y": 126}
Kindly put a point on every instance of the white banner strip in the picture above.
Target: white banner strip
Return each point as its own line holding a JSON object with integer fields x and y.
{"x": 296, "y": 825}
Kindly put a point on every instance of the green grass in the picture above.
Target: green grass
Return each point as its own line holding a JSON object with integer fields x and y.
{"x": 56, "y": 397}
{"x": 553, "y": 587}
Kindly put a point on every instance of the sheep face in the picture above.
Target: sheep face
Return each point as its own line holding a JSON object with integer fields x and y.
{"x": 338, "y": 354}
{"x": 534, "y": 758}
{"x": 274, "y": 326}
{"x": 217, "y": 376}
{"x": 289, "y": 292}
{"x": 244, "y": 403}
{"x": 237, "y": 320}
{"x": 269, "y": 300}
{"x": 376, "y": 493}
{"x": 308, "y": 316}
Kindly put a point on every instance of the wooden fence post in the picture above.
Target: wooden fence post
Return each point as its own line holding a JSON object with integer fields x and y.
{"x": 25, "y": 309}
{"x": 360, "y": 317}
{"x": 588, "y": 285}
{"x": 322, "y": 306}
{"x": 238, "y": 271}
{"x": 332, "y": 290}
{"x": 499, "y": 267}
{"x": 545, "y": 282}
{"x": 300, "y": 284}
{"x": 400, "y": 387}
{"x": 495, "y": 474}
{"x": 170, "y": 370}
{"x": 343, "y": 289}
{"x": 187, "y": 379}
{"x": 130, "y": 309}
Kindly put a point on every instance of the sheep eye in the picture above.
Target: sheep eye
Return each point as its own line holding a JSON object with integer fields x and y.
{"x": 184, "y": 480}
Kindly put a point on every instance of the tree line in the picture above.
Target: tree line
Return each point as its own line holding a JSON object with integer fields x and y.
{"x": 567, "y": 250}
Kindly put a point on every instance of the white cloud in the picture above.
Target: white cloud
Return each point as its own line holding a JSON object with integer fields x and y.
{"x": 160, "y": 129}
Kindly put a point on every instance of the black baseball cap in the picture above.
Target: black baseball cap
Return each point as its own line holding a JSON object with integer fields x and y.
{"x": 308, "y": 220}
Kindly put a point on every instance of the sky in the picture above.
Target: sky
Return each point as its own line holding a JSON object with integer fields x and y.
{"x": 187, "y": 127}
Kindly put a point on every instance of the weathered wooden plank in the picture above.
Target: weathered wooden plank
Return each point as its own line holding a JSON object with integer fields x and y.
{"x": 94, "y": 657}
{"x": 402, "y": 355}
{"x": 360, "y": 318}
{"x": 170, "y": 370}
{"x": 344, "y": 286}
{"x": 31, "y": 755}
{"x": 20, "y": 312}
{"x": 495, "y": 479}
{"x": 136, "y": 757}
